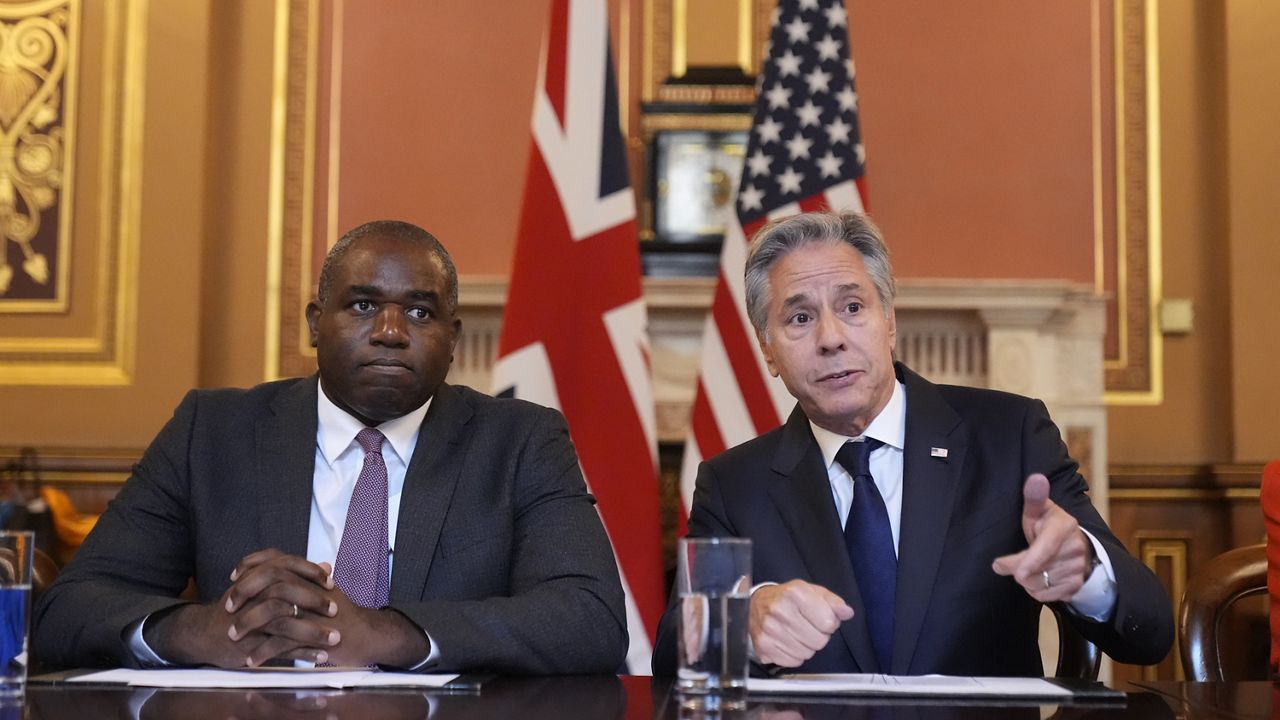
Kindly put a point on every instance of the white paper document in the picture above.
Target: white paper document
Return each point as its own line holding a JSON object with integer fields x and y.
{"x": 922, "y": 685}
{"x": 263, "y": 678}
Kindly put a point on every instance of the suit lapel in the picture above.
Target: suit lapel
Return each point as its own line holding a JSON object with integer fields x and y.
{"x": 285, "y": 445}
{"x": 428, "y": 489}
{"x": 928, "y": 495}
{"x": 803, "y": 497}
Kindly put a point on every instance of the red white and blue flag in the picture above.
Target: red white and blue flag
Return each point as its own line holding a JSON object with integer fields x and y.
{"x": 804, "y": 153}
{"x": 574, "y": 332}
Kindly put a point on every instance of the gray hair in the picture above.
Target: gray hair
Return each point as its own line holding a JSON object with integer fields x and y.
{"x": 779, "y": 238}
{"x": 397, "y": 230}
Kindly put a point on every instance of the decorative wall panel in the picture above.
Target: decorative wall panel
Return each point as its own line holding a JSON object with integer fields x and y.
{"x": 1128, "y": 217}
{"x": 70, "y": 152}
{"x": 38, "y": 75}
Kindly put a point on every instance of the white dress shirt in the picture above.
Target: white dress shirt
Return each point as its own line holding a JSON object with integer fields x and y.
{"x": 1096, "y": 599}
{"x": 339, "y": 459}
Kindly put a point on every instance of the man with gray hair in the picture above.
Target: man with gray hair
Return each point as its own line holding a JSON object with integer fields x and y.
{"x": 900, "y": 526}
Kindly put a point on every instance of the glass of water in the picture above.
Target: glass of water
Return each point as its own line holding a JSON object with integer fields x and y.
{"x": 16, "y": 555}
{"x": 713, "y": 577}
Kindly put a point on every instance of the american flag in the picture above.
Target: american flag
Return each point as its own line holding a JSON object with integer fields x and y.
{"x": 804, "y": 153}
{"x": 574, "y": 329}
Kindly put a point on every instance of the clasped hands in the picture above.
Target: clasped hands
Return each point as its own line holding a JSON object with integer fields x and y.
{"x": 792, "y": 621}
{"x": 284, "y": 607}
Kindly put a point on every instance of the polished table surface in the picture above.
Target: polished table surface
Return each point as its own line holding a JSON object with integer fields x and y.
{"x": 613, "y": 697}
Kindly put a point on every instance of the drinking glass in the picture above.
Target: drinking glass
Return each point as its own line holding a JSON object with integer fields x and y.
{"x": 16, "y": 551}
{"x": 713, "y": 577}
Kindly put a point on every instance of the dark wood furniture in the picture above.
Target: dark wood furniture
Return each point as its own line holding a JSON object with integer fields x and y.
{"x": 1176, "y": 518}
{"x": 1077, "y": 657}
{"x": 1223, "y": 623}
{"x": 642, "y": 698}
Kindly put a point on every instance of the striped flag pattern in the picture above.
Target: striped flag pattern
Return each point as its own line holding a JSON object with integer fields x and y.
{"x": 574, "y": 333}
{"x": 804, "y": 153}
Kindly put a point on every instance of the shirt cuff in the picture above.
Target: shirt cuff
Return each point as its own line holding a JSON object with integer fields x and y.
{"x": 432, "y": 657}
{"x": 1096, "y": 599}
{"x": 142, "y": 652}
{"x": 757, "y": 586}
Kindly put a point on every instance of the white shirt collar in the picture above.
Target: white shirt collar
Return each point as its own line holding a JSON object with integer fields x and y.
{"x": 889, "y": 427}
{"x": 338, "y": 429}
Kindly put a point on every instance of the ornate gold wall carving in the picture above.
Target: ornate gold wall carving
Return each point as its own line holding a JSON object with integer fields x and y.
{"x": 1135, "y": 374}
{"x": 38, "y": 76}
{"x": 80, "y": 331}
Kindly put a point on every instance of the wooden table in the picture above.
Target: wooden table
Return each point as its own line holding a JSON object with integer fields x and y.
{"x": 590, "y": 697}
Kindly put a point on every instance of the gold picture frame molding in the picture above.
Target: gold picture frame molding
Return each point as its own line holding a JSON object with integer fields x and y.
{"x": 665, "y": 54}
{"x": 1135, "y": 376}
{"x": 291, "y": 237}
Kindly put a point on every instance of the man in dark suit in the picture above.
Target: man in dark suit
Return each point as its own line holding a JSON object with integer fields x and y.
{"x": 901, "y": 526}
{"x": 372, "y": 514}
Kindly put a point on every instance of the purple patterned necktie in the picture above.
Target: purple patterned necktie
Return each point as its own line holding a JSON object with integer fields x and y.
{"x": 361, "y": 570}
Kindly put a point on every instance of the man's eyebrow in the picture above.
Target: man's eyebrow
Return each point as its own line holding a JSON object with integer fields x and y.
{"x": 795, "y": 299}
{"x": 802, "y": 297}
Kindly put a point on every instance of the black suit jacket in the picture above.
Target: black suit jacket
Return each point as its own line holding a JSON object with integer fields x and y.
{"x": 499, "y": 554}
{"x": 954, "y": 614}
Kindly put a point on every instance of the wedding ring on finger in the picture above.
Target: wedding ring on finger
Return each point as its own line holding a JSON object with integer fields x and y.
{"x": 1043, "y": 574}
{"x": 295, "y": 605}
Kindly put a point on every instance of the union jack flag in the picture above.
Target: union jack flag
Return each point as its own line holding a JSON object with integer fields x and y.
{"x": 574, "y": 328}
{"x": 805, "y": 153}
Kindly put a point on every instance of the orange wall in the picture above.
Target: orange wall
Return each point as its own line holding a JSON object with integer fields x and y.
{"x": 976, "y": 123}
{"x": 977, "y": 126}
{"x": 976, "y": 119}
{"x": 435, "y": 120}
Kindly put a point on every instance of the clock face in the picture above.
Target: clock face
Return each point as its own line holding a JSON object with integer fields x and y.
{"x": 696, "y": 181}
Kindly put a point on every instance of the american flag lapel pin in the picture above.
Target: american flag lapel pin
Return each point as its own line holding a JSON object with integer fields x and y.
{"x": 938, "y": 452}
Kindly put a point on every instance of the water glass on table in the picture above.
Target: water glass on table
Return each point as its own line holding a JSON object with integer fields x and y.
{"x": 713, "y": 578}
{"x": 16, "y": 555}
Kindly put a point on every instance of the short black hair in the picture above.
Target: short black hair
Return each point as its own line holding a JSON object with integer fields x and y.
{"x": 395, "y": 229}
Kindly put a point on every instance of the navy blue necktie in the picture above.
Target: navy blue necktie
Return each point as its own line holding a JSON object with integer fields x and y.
{"x": 870, "y": 541}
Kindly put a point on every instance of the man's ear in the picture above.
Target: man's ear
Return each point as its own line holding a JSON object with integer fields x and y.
{"x": 457, "y": 333}
{"x": 767, "y": 351}
{"x": 893, "y": 330}
{"x": 313, "y": 321}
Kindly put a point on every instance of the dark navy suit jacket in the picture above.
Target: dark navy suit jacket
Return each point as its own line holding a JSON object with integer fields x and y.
{"x": 953, "y": 614}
